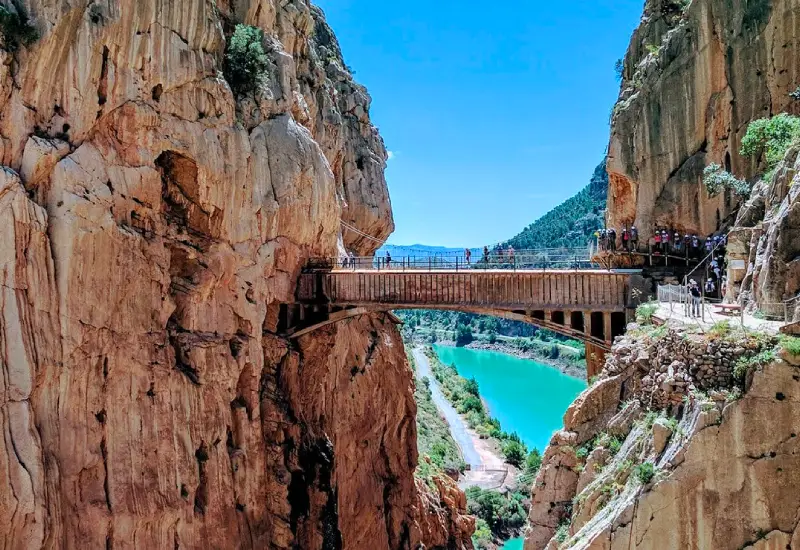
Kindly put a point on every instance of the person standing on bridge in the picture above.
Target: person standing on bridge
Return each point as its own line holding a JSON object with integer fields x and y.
{"x": 612, "y": 240}
{"x": 634, "y": 238}
{"x": 626, "y": 240}
{"x": 511, "y": 254}
{"x": 388, "y": 260}
{"x": 486, "y": 255}
{"x": 468, "y": 255}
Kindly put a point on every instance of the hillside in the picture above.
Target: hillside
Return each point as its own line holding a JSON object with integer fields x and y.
{"x": 571, "y": 223}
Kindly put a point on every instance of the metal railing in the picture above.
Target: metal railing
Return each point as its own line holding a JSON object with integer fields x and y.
{"x": 551, "y": 258}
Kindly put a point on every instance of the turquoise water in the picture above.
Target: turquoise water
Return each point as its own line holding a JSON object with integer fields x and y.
{"x": 513, "y": 544}
{"x": 525, "y": 396}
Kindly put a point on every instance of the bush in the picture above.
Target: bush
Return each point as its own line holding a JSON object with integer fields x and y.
{"x": 472, "y": 386}
{"x": 645, "y": 312}
{"x": 562, "y": 533}
{"x": 500, "y": 513}
{"x": 246, "y": 62}
{"x": 482, "y": 538}
{"x": 514, "y": 453}
{"x": 790, "y": 344}
{"x": 645, "y": 472}
{"x": 717, "y": 180}
{"x": 746, "y": 364}
{"x": 463, "y": 335}
{"x": 471, "y": 403}
{"x": 16, "y": 30}
{"x": 771, "y": 137}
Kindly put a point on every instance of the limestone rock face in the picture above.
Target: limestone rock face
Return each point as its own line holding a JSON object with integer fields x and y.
{"x": 152, "y": 225}
{"x": 766, "y": 270}
{"x": 693, "y": 79}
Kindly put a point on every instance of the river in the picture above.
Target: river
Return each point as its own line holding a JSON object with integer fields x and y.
{"x": 525, "y": 396}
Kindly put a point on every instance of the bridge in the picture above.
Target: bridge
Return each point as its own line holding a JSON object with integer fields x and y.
{"x": 591, "y": 305}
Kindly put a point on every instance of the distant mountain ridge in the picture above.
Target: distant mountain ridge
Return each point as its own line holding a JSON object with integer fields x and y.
{"x": 568, "y": 225}
{"x": 572, "y": 223}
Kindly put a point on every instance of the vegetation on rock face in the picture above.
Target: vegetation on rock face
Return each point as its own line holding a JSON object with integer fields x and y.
{"x": 716, "y": 180}
{"x": 246, "y": 62}
{"x": 572, "y": 223}
{"x": 771, "y": 138}
{"x": 15, "y": 29}
{"x": 645, "y": 312}
{"x": 645, "y": 472}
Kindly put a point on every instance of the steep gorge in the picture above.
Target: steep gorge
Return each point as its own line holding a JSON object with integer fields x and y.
{"x": 153, "y": 224}
{"x": 688, "y": 439}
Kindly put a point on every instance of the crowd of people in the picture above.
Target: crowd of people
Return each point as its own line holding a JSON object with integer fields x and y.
{"x": 663, "y": 241}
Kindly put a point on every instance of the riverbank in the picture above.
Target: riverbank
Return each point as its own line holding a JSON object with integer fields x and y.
{"x": 500, "y": 346}
{"x": 486, "y": 466}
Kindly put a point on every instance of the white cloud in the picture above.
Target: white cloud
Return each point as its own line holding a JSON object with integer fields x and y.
{"x": 390, "y": 155}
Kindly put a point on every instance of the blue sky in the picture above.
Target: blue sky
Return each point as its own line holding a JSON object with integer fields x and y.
{"x": 493, "y": 113}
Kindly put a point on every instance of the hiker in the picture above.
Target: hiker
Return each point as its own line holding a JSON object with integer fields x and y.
{"x": 695, "y": 245}
{"x": 657, "y": 238}
{"x": 511, "y": 254}
{"x": 677, "y": 242}
{"x": 634, "y": 238}
{"x": 388, "y": 260}
{"x": 486, "y": 255}
{"x": 468, "y": 255}
{"x": 626, "y": 239}
{"x": 710, "y": 288}
{"x": 709, "y": 245}
{"x": 723, "y": 286}
{"x": 612, "y": 240}
{"x": 694, "y": 291}
{"x": 665, "y": 240}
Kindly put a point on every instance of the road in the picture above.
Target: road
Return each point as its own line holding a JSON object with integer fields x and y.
{"x": 458, "y": 427}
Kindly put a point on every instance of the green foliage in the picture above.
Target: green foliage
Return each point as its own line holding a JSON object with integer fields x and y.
{"x": 472, "y": 386}
{"x": 514, "y": 453}
{"x": 482, "y": 538}
{"x": 470, "y": 404}
{"x": 573, "y": 222}
{"x": 433, "y": 437}
{"x": 608, "y": 441}
{"x": 645, "y": 472}
{"x": 790, "y": 344}
{"x": 503, "y": 514}
{"x": 748, "y": 363}
{"x": 246, "y": 62}
{"x": 652, "y": 49}
{"x": 533, "y": 462}
{"x": 15, "y": 29}
{"x": 463, "y": 335}
{"x": 771, "y": 137}
{"x": 583, "y": 452}
{"x": 716, "y": 180}
{"x": 562, "y": 533}
{"x": 720, "y": 329}
{"x": 645, "y": 313}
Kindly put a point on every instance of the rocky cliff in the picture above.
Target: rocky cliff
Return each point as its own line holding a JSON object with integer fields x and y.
{"x": 153, "y": 222}
{"x": 677, "y": 446}
{"x": 695, "y": 74}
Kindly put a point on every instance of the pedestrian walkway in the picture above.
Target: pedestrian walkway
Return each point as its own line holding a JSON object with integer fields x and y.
{"x": 677, "y": 312}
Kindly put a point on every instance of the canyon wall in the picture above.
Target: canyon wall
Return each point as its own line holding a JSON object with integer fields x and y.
{"x": 693, "y": 78}
{"x": 152, "y": 225}
{"x": 674, "y": 448}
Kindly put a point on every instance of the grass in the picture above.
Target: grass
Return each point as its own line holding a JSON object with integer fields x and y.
{"x": 645, "y": 472}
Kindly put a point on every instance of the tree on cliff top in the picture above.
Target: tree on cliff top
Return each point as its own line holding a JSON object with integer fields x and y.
{"x": 246, "y": 62}
{"x": 771, "y": 137}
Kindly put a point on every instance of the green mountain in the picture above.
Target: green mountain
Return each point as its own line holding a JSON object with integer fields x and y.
{"x": 571, "y": 223}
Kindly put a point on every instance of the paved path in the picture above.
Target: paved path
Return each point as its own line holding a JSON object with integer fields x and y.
{"x": 458, "y": 427}
{"x": 677, "y": 312}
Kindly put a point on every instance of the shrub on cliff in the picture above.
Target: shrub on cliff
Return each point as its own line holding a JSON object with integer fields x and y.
{"x": 15, "y": 29}
{"x": 246, "y": 62}
{"x": 514, "y": 453}
{"x": 717, "y": 180}
{"x": 771, "y": 137}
